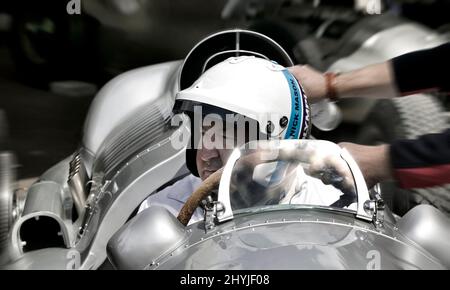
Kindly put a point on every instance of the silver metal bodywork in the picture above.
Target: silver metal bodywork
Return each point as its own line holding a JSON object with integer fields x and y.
{"x": 169, "y": 235}
{"x": 127, "y": 155}
{"x": 298, "y": 239}
{"x": 112, "y": 204}
{"x": 121, "y": 99}
{"x": 48, "y": 198}
{"x": 380, "y": 47}
{"x": 295, "y": 237}
{"x": 388, "y": 44}
{"x": 421, "y": 225}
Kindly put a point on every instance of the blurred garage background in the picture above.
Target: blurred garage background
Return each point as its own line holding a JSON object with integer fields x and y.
{"x": 52, "y": 63}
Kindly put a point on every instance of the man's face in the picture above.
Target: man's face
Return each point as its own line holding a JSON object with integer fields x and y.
{"x": 211, "y": 160}
{"x": 211, "y": 157}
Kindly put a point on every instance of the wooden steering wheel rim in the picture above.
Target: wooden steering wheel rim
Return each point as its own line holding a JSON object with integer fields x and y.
{"x": 198, "y": 195}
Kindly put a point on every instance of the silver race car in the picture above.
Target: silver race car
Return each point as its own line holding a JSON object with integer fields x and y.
{"x": 81, "y": 213}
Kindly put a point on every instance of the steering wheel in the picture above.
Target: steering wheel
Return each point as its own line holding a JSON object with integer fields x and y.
{"x": 209, "y": 184}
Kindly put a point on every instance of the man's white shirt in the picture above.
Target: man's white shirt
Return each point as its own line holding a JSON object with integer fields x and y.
{"x": 175, "y": 196}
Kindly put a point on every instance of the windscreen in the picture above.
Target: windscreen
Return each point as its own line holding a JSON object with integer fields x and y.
{"x": 300, "y": 172}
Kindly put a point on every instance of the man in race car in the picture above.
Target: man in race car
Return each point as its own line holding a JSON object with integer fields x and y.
{"x": 236, "y": 101}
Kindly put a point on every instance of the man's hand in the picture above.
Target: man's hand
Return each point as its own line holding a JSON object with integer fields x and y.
{"x": 331, "y": 170}
{"x": 374, "y": 161}
{"x": 312, "y": 81}
{"x": 321, "y": 160}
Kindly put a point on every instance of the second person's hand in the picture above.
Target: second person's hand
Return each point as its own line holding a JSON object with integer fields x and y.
{"x": 312, "y": 81}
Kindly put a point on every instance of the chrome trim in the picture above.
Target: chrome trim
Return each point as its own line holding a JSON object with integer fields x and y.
{"x": 230, "y": 51}
{"x": 7, "y": 179}
{"x": 238, "y": 32}
{"x": 360, "y": 183}
{"x": 224, "y": 188}
{"x": 77, "y": 183}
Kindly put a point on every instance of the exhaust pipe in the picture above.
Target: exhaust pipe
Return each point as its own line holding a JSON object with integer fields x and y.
{"x": 77, "y": 183}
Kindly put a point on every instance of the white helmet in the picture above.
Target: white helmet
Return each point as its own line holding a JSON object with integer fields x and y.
{"x": 252, "y": 87}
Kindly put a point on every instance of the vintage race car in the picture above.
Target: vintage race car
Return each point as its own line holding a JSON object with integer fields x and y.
{"x": 75, "y": 211}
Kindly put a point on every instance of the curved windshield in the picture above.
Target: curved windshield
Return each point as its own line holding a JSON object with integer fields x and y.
{"x": 300, "y": 172}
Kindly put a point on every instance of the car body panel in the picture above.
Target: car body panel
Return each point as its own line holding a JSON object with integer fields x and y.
{"x": 293, "y": 238}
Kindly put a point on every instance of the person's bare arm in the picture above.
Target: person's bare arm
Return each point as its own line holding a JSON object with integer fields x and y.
{"x": 374, "y": 161}
{"x": 374, "y": 81}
